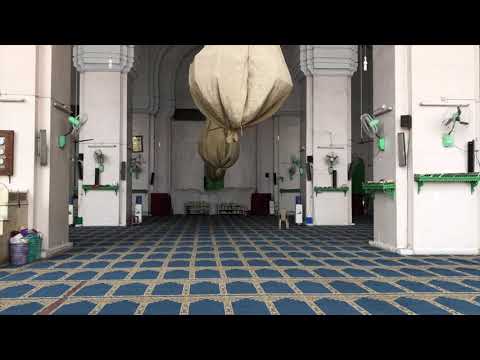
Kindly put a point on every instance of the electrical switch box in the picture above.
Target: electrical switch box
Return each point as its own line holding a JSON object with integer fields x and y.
{"x": 6, "y": 152}
{"x": 406, "y": 122}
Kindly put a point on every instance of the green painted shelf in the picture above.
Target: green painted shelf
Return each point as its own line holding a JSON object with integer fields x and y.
{"x": 87, "y": 188}
{"x": 321, "y": 189}
{"x": 470, "y": 178}
{"x": 382, "y": 186}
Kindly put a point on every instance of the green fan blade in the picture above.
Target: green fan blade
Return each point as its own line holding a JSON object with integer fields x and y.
{"x": 74, "y": 121}
{"x": 381, "y": 144}
{"x": 374, "y": 124}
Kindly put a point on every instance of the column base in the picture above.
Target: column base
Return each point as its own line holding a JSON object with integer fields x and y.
{"x": 426, "y": 251}
{"x": 56, "y": 251}
{"x": 391, "y": 248}
{"x": 446, "y": 251}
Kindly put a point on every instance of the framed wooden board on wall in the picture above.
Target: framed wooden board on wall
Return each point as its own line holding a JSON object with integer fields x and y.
{"x": 6, "y": 152}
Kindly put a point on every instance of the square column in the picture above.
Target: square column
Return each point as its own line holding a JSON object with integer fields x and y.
{"x": 35, "y": 92}
{"x": 428, "y": 83}
{"x": 326, "y": 128}
{"x": 105, "y": 199}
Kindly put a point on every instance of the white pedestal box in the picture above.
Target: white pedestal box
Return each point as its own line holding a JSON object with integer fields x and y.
{"x": 272, "y": 207}
{"x": 298, "y": 214}
{"x": 70, "y": 214}
{"x": 138, "y": 213}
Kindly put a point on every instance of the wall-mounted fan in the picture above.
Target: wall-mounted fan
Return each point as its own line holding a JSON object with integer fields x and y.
{"x": 332, "y": 160}
{"x": 371, "y": 126}
{"x": 296, "y": 164}
{"x": 99, "y": 159}
{"x": 447, "y": 138}
{"x": 136, "y": 165}
{"x": 76, "y": 122}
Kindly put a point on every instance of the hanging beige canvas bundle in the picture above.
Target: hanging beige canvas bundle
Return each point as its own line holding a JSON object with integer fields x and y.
{"x": 216, "y": 152}
{"x": 238, "y": 86}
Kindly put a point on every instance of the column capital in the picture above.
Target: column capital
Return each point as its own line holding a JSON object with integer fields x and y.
{"x": 103, "y": 58}
{"x": 329, "y": 60}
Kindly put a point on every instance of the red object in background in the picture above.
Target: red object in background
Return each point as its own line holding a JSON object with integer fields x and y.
{"x": 160, "y": 204}
{"x": 260, "y": 204}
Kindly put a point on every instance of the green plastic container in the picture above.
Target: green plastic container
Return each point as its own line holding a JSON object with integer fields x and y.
{"x": 34, "y": 247}
{"x": 381, "y": 144}
{"x": 447, "y": 140}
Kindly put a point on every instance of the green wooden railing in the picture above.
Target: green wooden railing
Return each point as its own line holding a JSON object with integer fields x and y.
{"x": 469, "y": 178}
{"x": 386, "y": 187}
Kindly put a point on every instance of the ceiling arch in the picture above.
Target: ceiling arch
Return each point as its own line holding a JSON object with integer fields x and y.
{"x": 162, "y": 64}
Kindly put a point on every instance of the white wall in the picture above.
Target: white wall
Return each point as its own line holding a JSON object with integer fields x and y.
{"x": 59, "y": 160}
{"x": 188, "y": 169}
{"x": 187, "y": 165}
{"x": 305, "y": 147}
{"x": 332, "y": 128}
{"x": 265, "y": 139}
{"x": 445, "y": 216}
{"x": 161, "y": 154}
{"x": 143, "y": 80}
{"x": 243, "y": 175}
{"x": 162, "y": 80}
{"x": 168, "y": 67}
{"x": 20, "y": 117}
{"x": 385, "y": 163}
{"x": 40, "y": 75}
{"x": 287, "y": 144}
{"x": 104, "y": 98}
{"x": 442, "y": 218}
{"x": 183, "y": 98}
{"x": 362, "y": 91}
{"x": 141, "y": 127}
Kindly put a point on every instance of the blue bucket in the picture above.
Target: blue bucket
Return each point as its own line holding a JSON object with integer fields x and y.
{"x": 309, "y": 220}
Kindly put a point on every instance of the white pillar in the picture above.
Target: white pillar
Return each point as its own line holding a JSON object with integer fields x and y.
{"x": 104, "y": 100}
{"x": 162, "y": 147}
{"x": 39, "y": 77}
{"x": 441, "y": 218}
{"x": 326, "y": 127}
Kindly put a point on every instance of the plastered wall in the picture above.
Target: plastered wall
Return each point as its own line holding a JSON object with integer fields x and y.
{"x": 41, "y": 76}
{"x": 445, "y": 216}
{"x": 362, "y": 102}
{"x": 20, "y": 117}
{"x": 442, "y": 218}
{"x": 384, "y": 82}
{"x": 168, "y": 67}
{"x": 104, "y": 97}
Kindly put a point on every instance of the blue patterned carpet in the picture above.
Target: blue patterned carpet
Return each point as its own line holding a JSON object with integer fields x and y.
{"x": 238, "y": 265}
